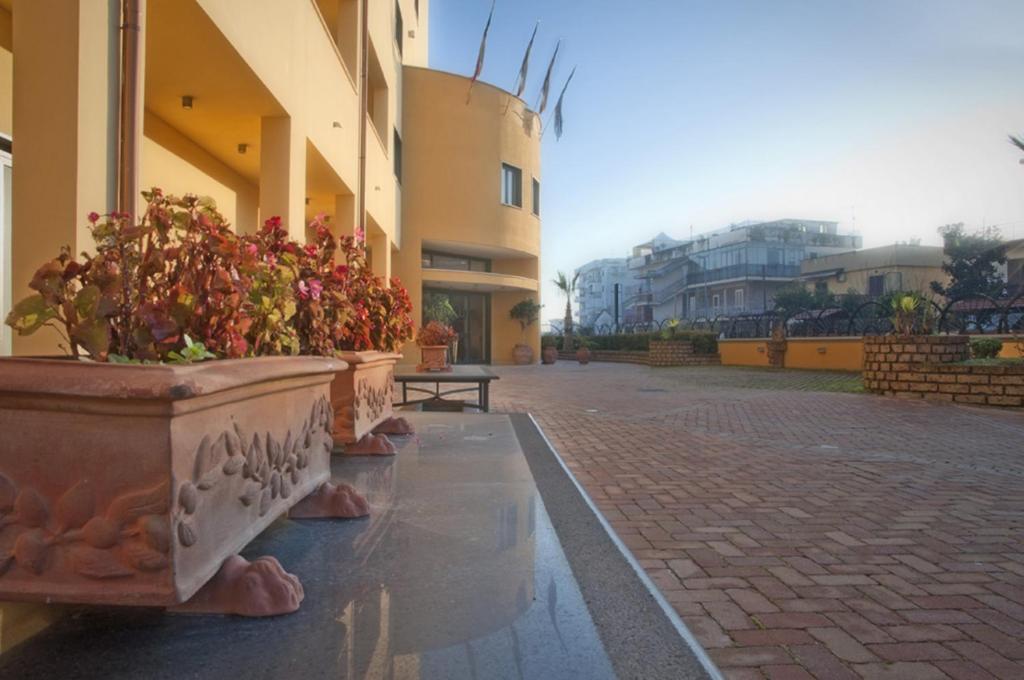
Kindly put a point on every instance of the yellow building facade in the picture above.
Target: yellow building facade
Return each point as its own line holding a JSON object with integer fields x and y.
{"x": 258, "y": 104}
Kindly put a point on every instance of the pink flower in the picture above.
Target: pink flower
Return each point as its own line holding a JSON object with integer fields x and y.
{"x": 311, "y": 250}
{"x": 271, "y": 260}
{"x": 94, "y": 217}
{"x": 315, "y": 288}
{"x": 274, "y": 222}
{"x": 303, "y": 290}
{"x": 251, "y": 249}
{"x": 360, "y": 234}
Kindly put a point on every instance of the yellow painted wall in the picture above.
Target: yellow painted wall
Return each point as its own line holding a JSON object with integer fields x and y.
{"x": 743, "y": 352}
{"x": 177, "y": 165}
{"x": 6, "y": 72}
{"x": 831, "y": 354}
{"x": 840, "y": 354}
{"x": 451, "y": 193}
{"x": 914, "y": 279}
{"x": 1013, "y": 348}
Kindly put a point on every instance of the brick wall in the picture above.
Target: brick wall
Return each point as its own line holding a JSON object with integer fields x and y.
{"x": 925, "y": 367}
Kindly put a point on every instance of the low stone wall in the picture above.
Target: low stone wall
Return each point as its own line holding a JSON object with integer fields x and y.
{"x": 661, "y": 353}
{"x": 620, "y": 357}
{"x": 927, "y": 367}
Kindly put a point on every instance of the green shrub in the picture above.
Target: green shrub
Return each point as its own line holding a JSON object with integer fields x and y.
{"x": 986, "y": 348}
{"x": 703, "y": 342}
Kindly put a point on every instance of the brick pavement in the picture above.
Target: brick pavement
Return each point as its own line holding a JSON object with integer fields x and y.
{"x": 803, "y": 533}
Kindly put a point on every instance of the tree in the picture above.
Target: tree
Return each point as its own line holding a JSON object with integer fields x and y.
{"x": 568, "y": 287}
{"x": 794, "y": 296}
{"x": 972, "y": 262}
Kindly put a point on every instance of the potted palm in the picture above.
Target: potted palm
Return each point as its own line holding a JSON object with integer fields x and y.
{"x": 525, "y": 312}
{"x": 433, "y": 340}
{"x": 568, "y": 287}
{"x": 583, "y": 351}
{"x": 134, "y": 468}
{"x": 549, "y": 350}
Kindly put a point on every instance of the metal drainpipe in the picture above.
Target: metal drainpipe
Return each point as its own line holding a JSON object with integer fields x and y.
{"x": 129, "y": 152}
{"x": 364, "y": 109}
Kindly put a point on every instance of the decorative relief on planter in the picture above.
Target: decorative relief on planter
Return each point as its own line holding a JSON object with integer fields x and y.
{"x": 130, "y": 535}
{"x": 270, "y": 469}
{"x": 361, "y": 396}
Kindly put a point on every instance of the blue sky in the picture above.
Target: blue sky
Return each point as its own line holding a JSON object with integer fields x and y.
{"x": 890, "y": 117}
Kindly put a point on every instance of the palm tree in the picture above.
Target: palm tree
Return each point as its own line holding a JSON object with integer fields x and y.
{"x": 567, "y": 286}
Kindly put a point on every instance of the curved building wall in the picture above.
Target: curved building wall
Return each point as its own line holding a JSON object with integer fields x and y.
{"x": 453, "y": 152}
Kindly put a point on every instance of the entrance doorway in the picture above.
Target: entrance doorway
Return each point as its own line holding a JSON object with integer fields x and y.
{"x": 469, "y": 314}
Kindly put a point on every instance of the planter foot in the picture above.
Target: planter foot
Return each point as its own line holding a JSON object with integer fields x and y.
{"x": 371, "y": 445}
{"x": 331, "y": 501}
{"x": 258, "y": 588}
{"x": 395, "y": 425}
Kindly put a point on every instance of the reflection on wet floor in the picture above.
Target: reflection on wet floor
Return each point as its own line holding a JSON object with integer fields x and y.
{"x": 458, "y": 573}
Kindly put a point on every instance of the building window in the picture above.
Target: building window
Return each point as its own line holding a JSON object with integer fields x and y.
{"x": 876, "y": 285}
{"x": 536, "y": 197}
{"x": 399, "y": 29}
{"x": 737, "y": 298}
{"x": 511, "y": 185}
{"x": 398, "y": 156}
{"x": 716, "y": 302}
{"x": 465, "y": 263}
{"x": 821, "y": 287}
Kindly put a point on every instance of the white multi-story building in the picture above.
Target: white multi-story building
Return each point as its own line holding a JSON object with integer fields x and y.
{"x": 596, "y": 288}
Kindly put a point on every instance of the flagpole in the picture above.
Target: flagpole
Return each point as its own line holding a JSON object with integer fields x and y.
{"x": 480, "y": 55}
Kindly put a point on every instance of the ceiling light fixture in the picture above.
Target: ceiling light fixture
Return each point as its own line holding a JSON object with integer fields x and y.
{"x": 242, "y": 148}
{"x": 186, "y": 102}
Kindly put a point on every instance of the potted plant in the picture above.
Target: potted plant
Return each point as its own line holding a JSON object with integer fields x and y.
{"x": 433, "y": 340}
{"x": 583, "y": 351}
{"x": 342, "y": 310}
{"x": 132, "y": 469}
{"x": 549, "y": 349}
{"x": 525, "y": 312}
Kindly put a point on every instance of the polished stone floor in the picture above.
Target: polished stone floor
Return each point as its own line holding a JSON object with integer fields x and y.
{"x": 458, "y": 573}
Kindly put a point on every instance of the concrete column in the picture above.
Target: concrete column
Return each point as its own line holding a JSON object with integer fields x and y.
{"x": 283, "y": 173}
{"x": 65, "y": 132}
{"x": 344, "y": 222}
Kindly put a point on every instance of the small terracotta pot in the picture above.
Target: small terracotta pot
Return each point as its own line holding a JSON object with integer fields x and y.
{"x": 549, "y": 355}
{"x": 433, "y": 358}
{"x": 523, "y": 354}
{"x": 583, "y": 355}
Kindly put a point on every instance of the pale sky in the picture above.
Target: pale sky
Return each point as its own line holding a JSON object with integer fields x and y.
{"x": 889, "y": 116}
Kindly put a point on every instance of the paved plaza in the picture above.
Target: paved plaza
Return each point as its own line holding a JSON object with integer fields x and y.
{"x": 802, "y": 529}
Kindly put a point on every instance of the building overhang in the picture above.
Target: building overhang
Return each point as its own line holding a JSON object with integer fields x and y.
{"x": 475, "y": 250}
{"x": 482, "y": 282}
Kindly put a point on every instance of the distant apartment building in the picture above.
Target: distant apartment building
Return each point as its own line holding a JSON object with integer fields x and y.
{"x": 596, "y": 291}
{"x": 731, "y": 271}
{"x": 873, "y": 272}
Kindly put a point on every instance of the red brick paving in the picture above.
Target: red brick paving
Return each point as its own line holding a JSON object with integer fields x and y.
{"x": 803, "y": 533}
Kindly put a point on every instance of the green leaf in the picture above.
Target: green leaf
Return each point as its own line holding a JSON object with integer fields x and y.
{"x": 30, "y": 314}
{"x": 94, "y": 336}
{"x": 87, "y": 301}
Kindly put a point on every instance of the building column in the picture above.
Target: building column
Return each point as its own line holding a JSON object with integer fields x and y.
{"x": 344, "y": 222}
{"x": 283, "y": 173}
{"x": 65, "y": 131}
{"x": 380, "y": 253}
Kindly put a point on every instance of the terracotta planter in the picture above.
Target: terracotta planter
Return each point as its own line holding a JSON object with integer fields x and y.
{"x": 549, "y": 355}
{"x": 434, "y": 358}
{"x": 522, "y": 354}
{"x": 361, "y": 395}
{"x": 583, "y": 355}
{"x": 131, "y": 485}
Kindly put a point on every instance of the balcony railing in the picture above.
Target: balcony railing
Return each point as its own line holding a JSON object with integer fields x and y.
{"x": 743, "y": 271}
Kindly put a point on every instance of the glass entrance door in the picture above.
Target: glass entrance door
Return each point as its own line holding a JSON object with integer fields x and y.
{"x": 469, "y": 314}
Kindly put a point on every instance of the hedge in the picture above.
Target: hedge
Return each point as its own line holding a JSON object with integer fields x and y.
{"x": 703, "y": 342}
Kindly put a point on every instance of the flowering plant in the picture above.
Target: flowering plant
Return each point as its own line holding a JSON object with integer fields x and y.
{"x": 178, "y": 278}
{"x": 436, "y": 333}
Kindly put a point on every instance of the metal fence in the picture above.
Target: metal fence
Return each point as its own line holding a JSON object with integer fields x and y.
{"x": 973, "y": 315}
